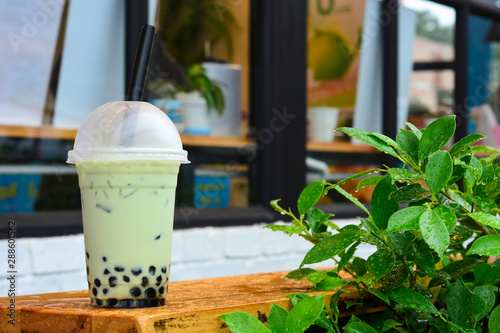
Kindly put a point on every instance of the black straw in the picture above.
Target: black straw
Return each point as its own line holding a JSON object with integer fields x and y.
{"x": 138, "y": 78}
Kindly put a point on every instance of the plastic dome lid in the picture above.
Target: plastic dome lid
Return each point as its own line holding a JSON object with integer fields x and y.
{"x": 127, "y": 130}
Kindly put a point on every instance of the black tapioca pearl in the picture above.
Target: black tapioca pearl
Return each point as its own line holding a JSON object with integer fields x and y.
{"x": 150, "y": 292}
{"x": 88, "y": 270}
{"x": 112, "y": 302}
{"x": 99, "y": 302}
{"x": 163, "y": 269}
{"x": 105, "y": 291}
{"x": 158, "y": 280}
{"x": 94, "y": 291}
{"x": 104, "y": 259}
{"x": 97, "y": 283}
{"x": 158, "y": 237}
{"x": 119, "y": 268}
{"x": 145, "y": 281}
{"x": 112, "y": 281}
{"x": 136, "y": 271}
{"x": 126, "y": 278}
{"x": 106, "y": 271}
{"x": 152, "y": 270}
{"x": 88, "y": 256}
{"x": 161, "y": 290}
{"x": 135, "y": 292}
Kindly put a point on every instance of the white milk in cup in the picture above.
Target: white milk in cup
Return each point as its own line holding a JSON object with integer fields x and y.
{"x": 127, "y": 156}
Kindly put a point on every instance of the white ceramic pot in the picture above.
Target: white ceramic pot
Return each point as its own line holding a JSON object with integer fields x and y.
{"x": 322, "y": 123}
{"x": 194, "y": 107}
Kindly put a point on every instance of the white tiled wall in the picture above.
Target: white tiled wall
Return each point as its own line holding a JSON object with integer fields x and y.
{"x": 58, "y": 263}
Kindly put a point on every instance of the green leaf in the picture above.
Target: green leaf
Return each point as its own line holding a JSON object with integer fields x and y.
{"x": 487, "y": 296}
{"x": 400, "y": 241}
{"x": 380, "y": 263}
{"x": 424, "y": 258}
{"x": 460, "y": 267}
{"x": 299, "y": 274}
{"x": 389, "y": 324}
{"x": 447, "y": 215}
{"x": 316, "y": 276}
{"x": 359, "y": 327}
{"x": 359, "y": 174}
{"x": 359, "y": 265}
{"x": 408, "y": 142}
{"x": 288, "y": 229}
{"x": 241, "y": 322}
{"x": 309, "y": 196}
{"x": 476, "y": 168}
{"x": 438, "y": 171}
{"x": 304, "y": 314}
{"x": 411, "y": 193}
{"x": 405, "y": 219}
{"x": 486, "y": 219}
{"x": 382, "y": 205}
{"x": 277, "y": 207}
{"x": 491, "y": 189}
{"x": 409, "y": 298}
{"x": 370, "y": 226}
{"x": 330, "y": 247}
{"x": 437, "y": 134}
{"x": 380, "y": 295}
{"x": 349, "y": 196}
{"x": 465, "y": 143}
{"x": 277, "y": 318}
{"x": 460, "y": 304}
{"x": 486, "y": 273}
{"x": 399, "y": 175}
{"x": 365, "y": 137}
{"x": 316, "y": 219}
{"x": 460, "y": 200}
{"x": 297, "y": 297}
{"x": 329, "y": 283}
{"x": 494, "y": 323}
{"x": 434, "y": 231}
{"x": 347, "y": 256}
{"x": 369, "y": 181}
{"x": 414, "y": 129}
{"x": 396, "y": 277}
{"x": 486, "y": 246}
{"x": 460, "y": 234}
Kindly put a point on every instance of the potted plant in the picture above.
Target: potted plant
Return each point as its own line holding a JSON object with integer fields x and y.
{"x": 434, "y": 225}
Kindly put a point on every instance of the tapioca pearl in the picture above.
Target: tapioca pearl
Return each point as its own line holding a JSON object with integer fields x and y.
{"x": 152, "y": 270}
{"x": 119, "y": 268}
{"x": 163, "y": 269}
{"x": 106, "y": 271}
{"x": 150, "y": 292}
{"x": 97, "y": 283}
{"x": 94, "y": 291}
{"x": 161, "y": 290}
{"x": 158, "y": 237}
{"x": 112, "y": 281}
{"x": 136, "y": 271}
{"x": 105, "y": 291}
{"x": 135, "y": 292}
{"x": 126, "y": 278}
{"x": 145, "y": 281}
{"x": 88, "y": 255}
{"x": 158, "y": 280}
{"x": 104, "y": 259}
{"x": 112, "y": 302}
{"x": 99, "y": 302}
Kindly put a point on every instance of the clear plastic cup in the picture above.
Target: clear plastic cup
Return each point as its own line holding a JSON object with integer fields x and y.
{"x": 127, "y": 156}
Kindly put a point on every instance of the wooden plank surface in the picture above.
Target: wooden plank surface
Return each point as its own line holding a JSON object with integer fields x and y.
{"x": 192, "y": 306}
{"x": 339, "y": 147}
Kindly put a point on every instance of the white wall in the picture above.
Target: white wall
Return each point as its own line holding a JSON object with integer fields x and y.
{"x": 57, "y": 263}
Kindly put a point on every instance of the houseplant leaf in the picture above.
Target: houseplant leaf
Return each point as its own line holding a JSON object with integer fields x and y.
{"x": 437, "y": 134}
{"x": 460, "y": 304}
{"x": 488, "y": 301}
{"x": 411, "y": 193}
{"x": 494, "y": 323}
{"x": 241, "y": 322}
{"x": 299, "y": 274}
{"x": 405, "y": 219}
{"x": 424, "y": 258}
{"x": 465, "y": 143}
{"x": 304, "y": 314}
{"x": 330, "y": 247}
{"x": 369, "y": 181}
{"x": 359, "y": 327}
{"x": 409, "y": 298}
{"x": 316, "y": 219}
{"x": 277, "y": 318}
{"x": 408, "y": 142}
{"x": 485, "y": 273}
{"x": 401, "y": 175}
{"x": 309, "y": 196}
{"x": 382, "y": 204}
{"x": 460, "y": 267}
{"x": 380, "y": 263}
{"x": 350, "y": 197}
{"x": 486, "y": 246}
{"x": 438, "y": 171}
{"x": 434, "y": 231}
{"x": 486, "y": 219}
{"x": 447, "y": 215}
{"x": 365, "y": 137}
{"x": 414, "y": 129}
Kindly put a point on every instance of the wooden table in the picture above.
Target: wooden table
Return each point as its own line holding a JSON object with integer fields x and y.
{"x": 192, "y": 306}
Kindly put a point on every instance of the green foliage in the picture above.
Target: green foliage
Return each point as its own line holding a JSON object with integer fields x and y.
{"x": 434, "y": 239}
{"x": 210, "y": 90}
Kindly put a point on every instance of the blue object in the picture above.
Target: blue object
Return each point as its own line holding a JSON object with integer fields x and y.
{"x": 18, "y": 193}
{"x": 211, "y": 189}
{"x": 197, "y": 130}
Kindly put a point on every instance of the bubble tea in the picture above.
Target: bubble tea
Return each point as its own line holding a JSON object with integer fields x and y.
{"x": 127, "y": 156}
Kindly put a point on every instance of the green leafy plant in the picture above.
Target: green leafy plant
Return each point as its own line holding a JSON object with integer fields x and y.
{"x": 434, "y": 224}
{"x": 209, "y": 89}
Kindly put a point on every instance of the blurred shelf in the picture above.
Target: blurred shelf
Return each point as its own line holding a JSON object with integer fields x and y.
{"x": 49, "y": 132}
{"x": 339, "y": 147}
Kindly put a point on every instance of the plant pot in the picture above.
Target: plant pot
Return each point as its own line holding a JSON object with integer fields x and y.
{"x": 195, "y": 110}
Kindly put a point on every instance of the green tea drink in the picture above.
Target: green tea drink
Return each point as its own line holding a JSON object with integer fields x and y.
{"x": 127, "y": 156}
{"x": 127, "y": 209}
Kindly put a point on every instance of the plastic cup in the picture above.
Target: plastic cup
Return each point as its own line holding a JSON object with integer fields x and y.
{"x": 127, "y": 156}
